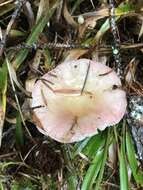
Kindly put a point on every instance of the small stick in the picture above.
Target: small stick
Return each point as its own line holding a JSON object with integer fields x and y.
{"x": 105, "y": 48}
{"x": 45, "y": 82}
{"x": 85, "y": 80}
{"x": 50, "y": 45}
{"x": 37, "y": 107}
{"x": 116, "y": 38}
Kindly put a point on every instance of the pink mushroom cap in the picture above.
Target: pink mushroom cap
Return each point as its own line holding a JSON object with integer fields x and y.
{"x": 76, "y": 98}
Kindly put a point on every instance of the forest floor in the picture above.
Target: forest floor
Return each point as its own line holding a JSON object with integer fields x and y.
{"x": 36, "y": 36}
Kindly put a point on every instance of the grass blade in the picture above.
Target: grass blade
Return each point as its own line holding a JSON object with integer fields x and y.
{"x": 123, "y": 170}
{"x": 94, "y": 151}
{"x": 34, "y": 36}
{"x": 94, "y": 144}
{"x": 138, "y": 175}
{"x": 93, "y": 171}
{"x": 100, "y": 176}
{"x": 19, "y": 131}
{"x": 14, "y": 90}
{"x": 3, "y": 90}
{"x": 72, "y": 182}
{"x": 123, "y": 163}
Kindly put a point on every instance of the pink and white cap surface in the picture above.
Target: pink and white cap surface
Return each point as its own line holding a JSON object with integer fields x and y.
{"x": 77, "y": 98}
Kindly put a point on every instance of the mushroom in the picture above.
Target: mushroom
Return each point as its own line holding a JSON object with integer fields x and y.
{"x": 76, "y": 99}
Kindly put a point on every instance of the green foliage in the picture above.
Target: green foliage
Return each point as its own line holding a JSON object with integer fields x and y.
{"x": 125, "y": 8}
{"x": 72, "y": 182}
{"x": 3, "y": 87}
{"x": 97, "y": 149}
{"x": 37, "y": 29}
{"x": 104, "y": 159}
{"x": 137, "y": 173}
{"x": 23, "y": 185}
{"x": 3, "y": 78}
{"x": 92, "y": 171}
{"x": 19, "y": 131}
{"x": 123, "y": 164}
{"x": 94, "y": 144}
{"x": 121, "y": 10}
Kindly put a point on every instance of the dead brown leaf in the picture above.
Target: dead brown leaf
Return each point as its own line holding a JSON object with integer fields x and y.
{"x": 68, "y": 17}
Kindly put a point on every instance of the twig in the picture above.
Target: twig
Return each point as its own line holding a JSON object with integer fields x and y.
{"x": 116, "y": 38}
{"x": 105, "y": 48}
{"x": 35, "y": 46}
{"x": 85, "y": 80}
